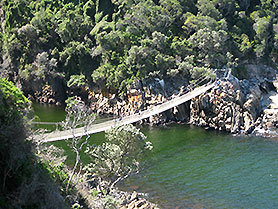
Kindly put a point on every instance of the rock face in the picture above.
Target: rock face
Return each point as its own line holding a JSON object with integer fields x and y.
{"x": 239, "y": 106}
{"x": 140, "y": 98}
{"x": 46, "y": 95}
{"x": 133, "y": 201}
{"x": 227, "y": 107}
{"x": 51, "y": 91}
{"x": 267, "y": 123}
{"x": 245, "y": 106}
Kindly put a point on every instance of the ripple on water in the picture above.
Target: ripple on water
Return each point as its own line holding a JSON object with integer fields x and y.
{"x": 191, "y": 168}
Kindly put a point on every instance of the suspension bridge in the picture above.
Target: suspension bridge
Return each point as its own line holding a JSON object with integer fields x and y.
{"x": 180, "y": 99}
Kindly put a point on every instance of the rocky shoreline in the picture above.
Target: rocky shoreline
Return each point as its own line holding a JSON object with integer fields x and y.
{"x": 239, "y": 106}
{"x": 246, "y": 106}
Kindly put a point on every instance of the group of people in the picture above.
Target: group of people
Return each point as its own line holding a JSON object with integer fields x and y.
{"x": 119, "y": 120}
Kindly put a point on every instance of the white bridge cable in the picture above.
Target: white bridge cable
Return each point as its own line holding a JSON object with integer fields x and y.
{"x": 44, "y": 123}
{"x": 67, "y": 134}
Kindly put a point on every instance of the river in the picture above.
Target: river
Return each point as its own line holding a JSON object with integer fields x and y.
{"x": 193, "y": 168}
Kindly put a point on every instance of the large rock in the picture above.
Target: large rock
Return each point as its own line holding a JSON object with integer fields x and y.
{"x": 233, "y": 106}
{"x": 240, "y": 106}
{"x": 217, "y": 108}
{"x": 267, "y": 124}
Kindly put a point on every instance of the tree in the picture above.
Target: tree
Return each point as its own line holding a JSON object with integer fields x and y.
{"x": 117, "y": 158}
{"x": 174, "y": 9}
{"x": 263, "y": 33}
{"x": 275, "y": 43}
{"x": 77, "y": 81}
{"x": 207, "y": 8}
{"x": 13, "y": 104}
{"x": 209, "y": 46}
{"x": 226, "y": 7}
{"x": 78, "y": 116}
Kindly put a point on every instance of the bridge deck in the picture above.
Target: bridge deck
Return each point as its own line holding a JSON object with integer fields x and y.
{"x": 67, "y": 134}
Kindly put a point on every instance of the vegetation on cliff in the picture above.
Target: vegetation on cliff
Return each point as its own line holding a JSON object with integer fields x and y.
{"x": 111, "y": 44}
{"x": 115, "y": 42}
{"x": 23, "y": 182}
{"x": 34, "y": 175}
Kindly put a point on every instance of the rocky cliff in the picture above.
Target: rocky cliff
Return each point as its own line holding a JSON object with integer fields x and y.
{"x": 240, "y": 106}
{"x": 248, "y": 105}
{"x": 49, "y": 91}
{"x": 142, "y": 96}
{"x": 243, "y": 103}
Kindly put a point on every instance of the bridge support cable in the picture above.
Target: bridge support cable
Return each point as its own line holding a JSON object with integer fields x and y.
{"x": 67, "y": 134}
{"x": 191, "y": 91}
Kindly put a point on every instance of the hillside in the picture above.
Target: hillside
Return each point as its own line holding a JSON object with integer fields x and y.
{"x": 110, "y": 44}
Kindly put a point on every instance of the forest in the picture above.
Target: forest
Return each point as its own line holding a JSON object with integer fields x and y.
{"x": 110, "y": 44}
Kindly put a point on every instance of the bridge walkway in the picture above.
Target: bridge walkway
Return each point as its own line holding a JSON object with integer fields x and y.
{"x": 67, "y": 134}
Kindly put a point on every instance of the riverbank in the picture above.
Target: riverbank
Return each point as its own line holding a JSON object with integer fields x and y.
{"x": 244, "y": 103}
{"x": 88, "y": 191}
{"x": 240, "y": 106}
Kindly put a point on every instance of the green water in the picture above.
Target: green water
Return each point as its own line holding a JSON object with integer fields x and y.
{"x": 51, "y": 113}
{"x": 193, "y": 168}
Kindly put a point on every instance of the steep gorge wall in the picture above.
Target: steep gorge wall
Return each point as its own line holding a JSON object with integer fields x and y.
{"x": 249, "y": 105}
{"x": 239, "y": 106}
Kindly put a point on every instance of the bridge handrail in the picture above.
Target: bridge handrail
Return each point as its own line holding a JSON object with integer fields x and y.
{"x": 44, "y": 123}
{"x": 164, "y": 104}
{"x": 154, "y": 109}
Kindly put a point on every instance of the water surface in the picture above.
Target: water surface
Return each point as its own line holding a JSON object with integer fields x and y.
{"x": 193, "y": 168}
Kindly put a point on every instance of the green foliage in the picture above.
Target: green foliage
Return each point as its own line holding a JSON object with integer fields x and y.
{"x": 245, "y": 45}
{"x": 207, "y": 8}
{"x": 113, "y": 43}
{"x": 13, "y": 104}
{"x": 120, "y": 155}
{"x": 78, "y": 114}
{"x": 198, "y": 72}
{"x": 58, "y": 172}
{"x": 128, "y": 133}
{"x": 40, "y": 68}
{"x": 14, "y": 107}
{"x": 76, "y": 80}
{"x": 19, "y": 170}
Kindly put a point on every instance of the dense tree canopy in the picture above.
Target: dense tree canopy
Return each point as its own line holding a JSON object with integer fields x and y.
{"x": 115, "y": 42}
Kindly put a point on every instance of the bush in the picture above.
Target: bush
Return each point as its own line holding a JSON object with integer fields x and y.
{"x": 23, "y": 184}
{"x": 117, "y": 158}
